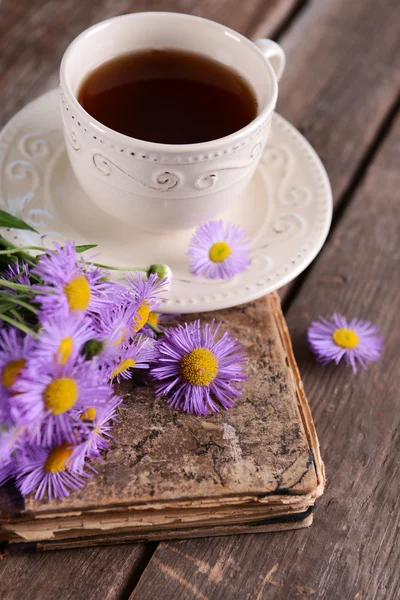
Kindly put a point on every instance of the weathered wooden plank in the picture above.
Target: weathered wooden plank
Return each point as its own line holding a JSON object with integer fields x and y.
{"x": 342, "y": 78}
{"x": 341, "y": 81}
{"x": 253, "y": 18}
{"x": 85, "y": 574}
{"x": 34, "y": 34}
{"x": 353, "y": 549}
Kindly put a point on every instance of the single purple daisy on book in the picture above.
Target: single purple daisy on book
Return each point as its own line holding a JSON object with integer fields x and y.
{"x": 198, "y": 372}
{"x": 49, "y": 395}
{"x": 101, "y": 421}
{"x": 356, "y": 341}
{"x": 47, "y": 471}
{"x": 219, "y": 250}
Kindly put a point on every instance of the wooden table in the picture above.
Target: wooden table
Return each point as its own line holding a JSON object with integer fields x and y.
{"x": 341, "y": 91}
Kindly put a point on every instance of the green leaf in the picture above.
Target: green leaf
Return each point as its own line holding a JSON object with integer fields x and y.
{"x": 85, "y": 247}
{"x": 18, "y": 325}
{"x": 7, "y": 220}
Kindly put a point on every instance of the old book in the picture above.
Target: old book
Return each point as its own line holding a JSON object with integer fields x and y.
{"x": 256, "y": 467}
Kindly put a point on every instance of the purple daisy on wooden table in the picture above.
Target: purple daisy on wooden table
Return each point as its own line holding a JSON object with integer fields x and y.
{"x": 356, "y": 341}
{"x": 69, "y": 285}
{"x": 219, "y": 250}
{"x": 136, "y": 355}
{"x": 198, "y": 372}
{"x": 149, "y": 293}
{"x": 47, "y": 471}
{"x": 49, "y": 395}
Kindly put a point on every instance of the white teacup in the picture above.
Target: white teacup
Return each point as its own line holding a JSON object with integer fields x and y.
{"x": 163, "y": 187}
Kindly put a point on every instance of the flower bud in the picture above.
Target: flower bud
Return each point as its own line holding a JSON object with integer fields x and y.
{"x": 92, "y": 348}
{"x": 163, "y": 272}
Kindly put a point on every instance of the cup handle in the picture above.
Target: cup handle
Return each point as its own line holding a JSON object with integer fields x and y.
{"x": 274, "y": 54}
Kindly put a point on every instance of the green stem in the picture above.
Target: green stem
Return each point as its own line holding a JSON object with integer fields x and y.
{"x": 144, "y": 269}
{"x": 17, "y": 250}
{"x": 17, "y": 325}
{"x": 17, "y": 300}
{"x": 15, "y": 286}
{"x": 154, "y": 329}
{"x": 23, "y": 255}
{"x": 16, "y": 314}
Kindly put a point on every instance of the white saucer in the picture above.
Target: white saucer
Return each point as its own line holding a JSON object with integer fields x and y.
{"x": 286, "y": 210}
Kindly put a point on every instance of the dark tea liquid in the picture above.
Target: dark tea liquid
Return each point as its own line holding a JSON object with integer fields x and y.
{"x": 168, "y": 96}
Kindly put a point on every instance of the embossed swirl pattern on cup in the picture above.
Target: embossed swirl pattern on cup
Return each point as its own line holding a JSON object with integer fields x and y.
{"x": 114, "y": 162}
{"x": 295, "y": 187}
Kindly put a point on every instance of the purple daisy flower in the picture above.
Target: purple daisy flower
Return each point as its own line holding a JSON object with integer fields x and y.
{"x": 149, "y": 294}
{"x": 219, "y": 250}
{"x": 61, "y": 340}
{"x": 69, "y": 285}
{"x": 15, "y": 350}
{"x": 49, "y": 395}
{"x": 198, "y": 372}
{"x": 336, "y": 338}
{"x": 113, "y": 324}
{"x": 18, "y": 273}
{"x": 136, "y": 355}
{"x": 47, "y": 471}
{"x": 101, "y": 421}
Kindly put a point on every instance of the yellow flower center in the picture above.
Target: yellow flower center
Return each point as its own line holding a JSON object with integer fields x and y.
{"x": 153, "y": 319}
{"x": 57, "y": 459}
{"x": 78, "y": 293}
{"x": 345, "y": 338}
{"x": 199, "y": 367}
{"x": 61, "y": 395}
{"x": 124, "y": 366}
{"x": 219, "y": 251}
{"x": 141, "y": 316}
{"x": 12, "y": 371}
{"x": 89, "y": 414}
{"x": 64, "y": 350}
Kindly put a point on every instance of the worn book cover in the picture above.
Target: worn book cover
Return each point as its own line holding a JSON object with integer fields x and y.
{"x": 255, "y": 467}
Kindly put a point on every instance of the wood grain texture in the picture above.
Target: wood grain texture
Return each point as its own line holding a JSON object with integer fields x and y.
{"x": 35, "y": 33}
{"x": 353, "y": 549}
{"x": 253, "y": 18}
{"x": 85, "y": 574}
{"x": 340, "y": 83}
{"x": 342, "y": 78}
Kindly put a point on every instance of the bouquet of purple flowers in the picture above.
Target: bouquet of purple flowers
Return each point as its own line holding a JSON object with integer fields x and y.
{"x": 68, "y": 332}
